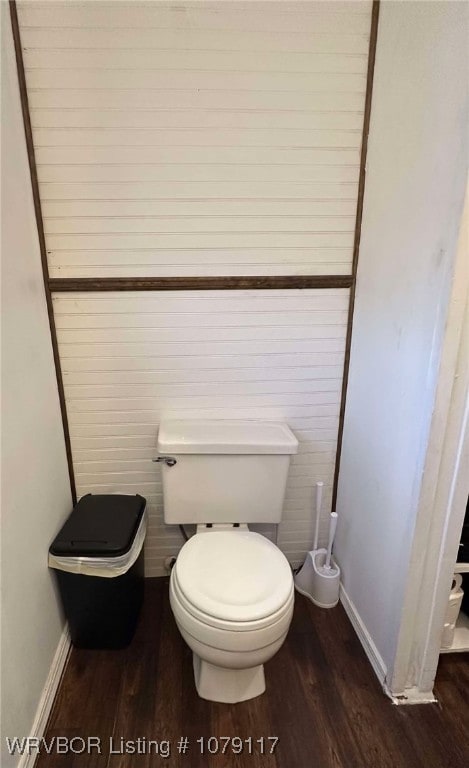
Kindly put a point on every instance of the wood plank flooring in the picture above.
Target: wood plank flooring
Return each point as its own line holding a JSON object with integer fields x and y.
{"x": 323, "y": 703}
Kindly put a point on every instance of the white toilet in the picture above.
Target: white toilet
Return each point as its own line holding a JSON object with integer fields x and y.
{"x": 231, "y": 589}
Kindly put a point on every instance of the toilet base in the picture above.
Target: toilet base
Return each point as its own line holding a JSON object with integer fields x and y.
{"x": 227, "y": 685}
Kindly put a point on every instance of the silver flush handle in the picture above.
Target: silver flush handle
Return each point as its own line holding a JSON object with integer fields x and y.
{"x": 170, "y": 461}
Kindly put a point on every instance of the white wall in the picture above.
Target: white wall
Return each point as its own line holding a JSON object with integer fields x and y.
{"x": 416, "y": 168}
{"x": 443, "y": 499}
{"x": 35, "y": 486}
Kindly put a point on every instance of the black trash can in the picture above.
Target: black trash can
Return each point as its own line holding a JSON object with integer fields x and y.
{"x": 98, "y": 560}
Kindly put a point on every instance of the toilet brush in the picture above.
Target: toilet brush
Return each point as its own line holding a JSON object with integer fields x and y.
{"x": 319, "y": 576}
{"x": 319, "y": 486}
{"x": 332, "y": 529}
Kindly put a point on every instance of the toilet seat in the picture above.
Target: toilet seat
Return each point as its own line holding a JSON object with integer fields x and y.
{"x": 233, "y": 576}
{"x": 200, "y": 618}
{"x": 244, "y": 584}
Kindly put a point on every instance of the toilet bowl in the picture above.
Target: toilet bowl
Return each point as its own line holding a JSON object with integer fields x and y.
{"x": 232, "y": 596}
{"x": 231, "y": 590}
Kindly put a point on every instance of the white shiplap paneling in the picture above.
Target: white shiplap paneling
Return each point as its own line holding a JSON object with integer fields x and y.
{"x": 129, "y": 359}
{"x": 197, "y": 138}
{"x": 237, "y": 16}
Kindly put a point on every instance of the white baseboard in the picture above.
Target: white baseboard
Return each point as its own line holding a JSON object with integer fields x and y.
{"x": 48, "y": 695}
{"x": 364, "y": 636}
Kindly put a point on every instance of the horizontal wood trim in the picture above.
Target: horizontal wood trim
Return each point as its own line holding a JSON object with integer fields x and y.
{"x": 199, "y": 283}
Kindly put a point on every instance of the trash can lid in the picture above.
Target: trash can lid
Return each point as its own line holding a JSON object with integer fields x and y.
{"x": 100, "y": 525}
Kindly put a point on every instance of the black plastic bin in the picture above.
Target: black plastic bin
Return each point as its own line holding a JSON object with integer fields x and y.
{"x": 98, "y": 560}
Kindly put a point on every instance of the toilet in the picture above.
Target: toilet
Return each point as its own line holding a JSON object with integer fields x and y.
{"x": 231, "y": 589}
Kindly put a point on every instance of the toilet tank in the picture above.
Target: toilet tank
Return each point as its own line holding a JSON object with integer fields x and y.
{"x": 225, "y": 471}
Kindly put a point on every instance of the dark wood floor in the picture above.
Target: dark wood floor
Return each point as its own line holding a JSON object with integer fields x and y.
{"x": 323, "y": 702}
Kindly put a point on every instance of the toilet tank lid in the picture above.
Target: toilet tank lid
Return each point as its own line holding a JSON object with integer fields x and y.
{"x": 180, "y": 436}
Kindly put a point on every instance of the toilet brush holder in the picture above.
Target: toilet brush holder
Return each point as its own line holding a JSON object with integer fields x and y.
{"x": 316, "y": 582}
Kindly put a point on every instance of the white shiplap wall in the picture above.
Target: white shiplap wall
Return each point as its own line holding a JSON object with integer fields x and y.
{"x": 130, "y": 359}
{"x": 197, "y": 138}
